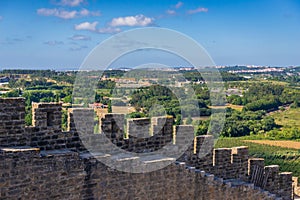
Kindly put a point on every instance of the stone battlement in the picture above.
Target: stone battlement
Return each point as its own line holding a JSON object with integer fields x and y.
{"x": 234, "y": 163}
{"x": 44, "y": 162}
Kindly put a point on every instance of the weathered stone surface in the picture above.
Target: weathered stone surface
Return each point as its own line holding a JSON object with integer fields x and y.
{"x": 43, "y": 162}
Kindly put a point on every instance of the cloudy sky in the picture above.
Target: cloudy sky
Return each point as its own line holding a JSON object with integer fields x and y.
{"x": 59, "y": 34}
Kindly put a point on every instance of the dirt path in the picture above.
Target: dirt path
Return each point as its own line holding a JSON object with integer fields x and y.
{"x": 279, "y": 143}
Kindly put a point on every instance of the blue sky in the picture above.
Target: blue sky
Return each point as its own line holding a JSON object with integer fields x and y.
{"x": 59, "y": 34}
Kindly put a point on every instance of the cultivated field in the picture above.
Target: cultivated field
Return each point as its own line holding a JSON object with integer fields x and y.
{"x": 236, "y": 107}
{"x": 122, "y": 109}
{"x": 287, "y": 158}
{"x": 278, "y": 143}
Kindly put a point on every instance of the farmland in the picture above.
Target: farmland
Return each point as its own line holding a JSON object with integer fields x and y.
{"x": 287, "y": 158}
{"x": 288, "y": 118}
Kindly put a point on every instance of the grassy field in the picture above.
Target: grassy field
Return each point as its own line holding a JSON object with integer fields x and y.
{"x": 104, "y": 91}
{"x": 273, "y": 82}
{"x": 122, "y": 109}
{"x": 236, "y": 107}
{"x": 288, "y": 118}
{"x": 288, "y": 159}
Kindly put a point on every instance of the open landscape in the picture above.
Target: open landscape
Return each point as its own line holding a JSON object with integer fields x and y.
{"x": 143, "y": 100}
{"x": 264, "y": 116}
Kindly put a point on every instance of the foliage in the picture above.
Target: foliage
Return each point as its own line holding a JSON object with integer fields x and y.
{"x": 144, "y": 98}
{"x": 189, "y": 120}
{"x": 286, "y": 134}
{"x": 239, "y": 123}
{"x": 64, "y": 120}
{"x": 263, "y": 104}
{"x": 265, "y": 96}
{"x": 202, "y": 127}
{"x": 12, "y": 93}
{"x": 178, "y": 120}
{"x": 136, "y": 115}
{"x": 235, "y": 99}
{"x": 28, "y": 116}
{"x": 195, "y": 76}
{"x": 109, "y": 107}
{"x": 106, "y": 84}
{"x": 288, "y": 118}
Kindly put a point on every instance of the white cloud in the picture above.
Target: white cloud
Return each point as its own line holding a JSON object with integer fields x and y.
{"x": 171, "y": 12}
{"x": 174, "y": 8}
{"x": 80, "y": 37}
{"x": 71, "y": 3}
{"x": 178, "y": 5}
{"x": 109, "y": 30}
{"x": 57, "y": 13}
{"x": 85, "y": 12}
{"x": 64, "y": 14}
{"x": 197, "y": 10}
{"x": 86, "y": 26}
{"x": 138, "y": 20}
{"x": 93, "y": 28}
{"x": 54, "y": 43}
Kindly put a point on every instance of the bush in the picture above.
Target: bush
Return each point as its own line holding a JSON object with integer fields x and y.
{"x": 136, "y": 115}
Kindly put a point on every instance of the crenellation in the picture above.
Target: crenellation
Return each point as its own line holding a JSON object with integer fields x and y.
{"x": 71, "y": 125}
{"x": 44, "y": 162}
{"x": 12, "y": 119}
{"x": 222, "y": 162}
{"x": 271, "y": 178}
{"x": 112, "y": 125}
{"x": 47, "y": 115}
{"x": 139, "y": 128}
{"x": 183, "y": 139}
{"x": 256, "y": 170}
{"x": 162, "y": 125}
{"x": 285, "y": 185}
{"x": 81, "y": 120}
{"x": 203, "y": 149}
{"x": 239, "y": 160}
{"x": 85, "y": 177}
{"x": 138, "y": 137}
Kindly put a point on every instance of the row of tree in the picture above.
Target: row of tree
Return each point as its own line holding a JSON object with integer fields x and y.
{"x": 266, "y": 96}
{"x": 239, "y": 123}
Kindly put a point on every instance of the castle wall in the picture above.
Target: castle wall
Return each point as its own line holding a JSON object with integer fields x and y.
{"x": 28, "y": 173}
{"x": 45, "y": 133}
{"x": 234, "y": 163}
{"x": 12, "y": 121}
{"x": 228, "y": 163}
{"x": 43, "y": 162}
{"x": 142, "y": 135}
{"x": 47, "y": 115}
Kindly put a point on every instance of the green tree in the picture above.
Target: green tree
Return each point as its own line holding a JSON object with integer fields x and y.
{"x": 64, "y": 120}
{"x": 109, "y": 107}
{"x": 189, "y": 120}
{"x": 13, "y": 93}
{"x": 178, "y": 120}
